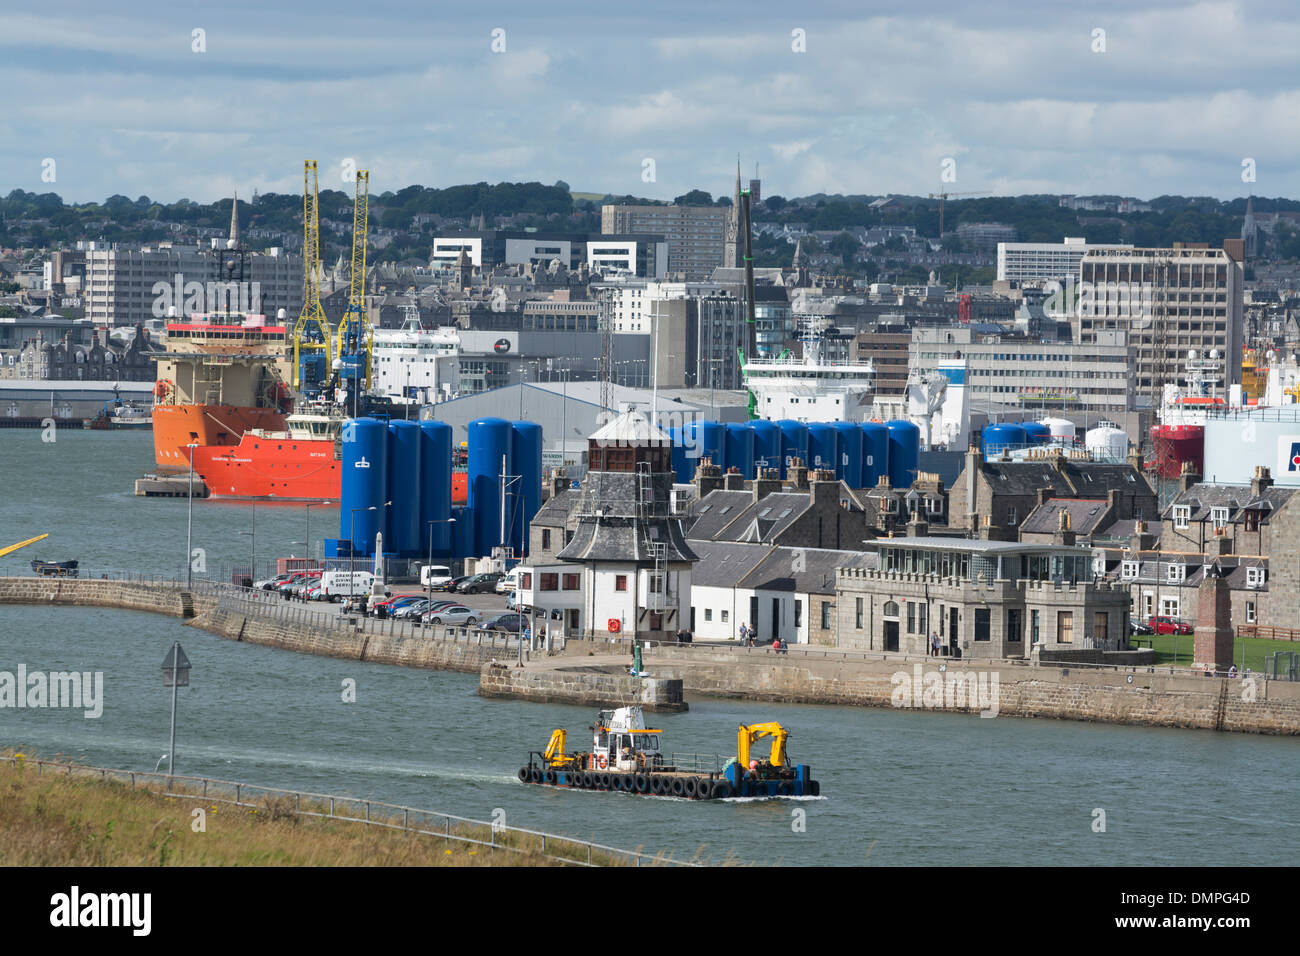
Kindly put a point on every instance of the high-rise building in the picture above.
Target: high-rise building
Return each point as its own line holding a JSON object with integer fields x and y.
{"x": 1170, "y": 301}
{"x": 1036, "y": 262}
{"x": 696, "y": 235}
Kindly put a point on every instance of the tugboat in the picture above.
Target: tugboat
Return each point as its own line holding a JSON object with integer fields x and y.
{"x": 626, "y": 756}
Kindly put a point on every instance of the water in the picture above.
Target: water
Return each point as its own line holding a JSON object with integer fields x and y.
{"x": 898, "y": 788}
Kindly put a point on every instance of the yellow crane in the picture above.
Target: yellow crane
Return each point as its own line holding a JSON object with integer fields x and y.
{"x": 22, "y": 544}
{"x": 944, "y": 197}
{"x": 747, "y": 735}
{"x": 354, "y": 334}
{"x": 311, "y": 333}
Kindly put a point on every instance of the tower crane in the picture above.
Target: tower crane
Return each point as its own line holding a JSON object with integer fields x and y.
{"x": 943, "y": 197}
{"x": 312, "y": 337}
{"x": 355, "y": 339}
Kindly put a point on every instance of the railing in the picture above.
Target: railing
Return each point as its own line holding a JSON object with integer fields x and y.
{"x": 1268, "y": 632}
{"x": 448, "y": 827}
{"x": 698, "y": 763}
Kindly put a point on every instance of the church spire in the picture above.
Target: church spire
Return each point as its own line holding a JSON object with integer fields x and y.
{"x": 234, "y": 221}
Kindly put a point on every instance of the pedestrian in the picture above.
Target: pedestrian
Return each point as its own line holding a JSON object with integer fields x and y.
{"x": 742, "y": 632}
{"x": 934, "y": 644}
{"x": 681, "y": 637}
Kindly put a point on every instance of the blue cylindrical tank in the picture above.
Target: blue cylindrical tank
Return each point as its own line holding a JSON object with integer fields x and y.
{"x": 1037, "y": 433}
{"x": 904, "y": 452}
{"x": 850, "y": 442}
{"x": 767, "y": 443}
{"x": 402, "y": 524}
{"x": 875, "y": 453}
{"x": 683, "y": 469}
{"x": 704, "y": 440}
{"x": 462, "y": 533}
{"x": 435, "y": 487}
{"x": 364, "y": 484}
{"x": 489, "y": 442}
{"x": 740, "y": 449}
{"x": 1003, "y": 437}
{"x": 526, "y": 452}
{"x": 824, "y": 447}
{"x": 794, "y": 442}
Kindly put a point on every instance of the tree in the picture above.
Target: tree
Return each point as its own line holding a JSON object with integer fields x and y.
{"x": 844, "y": 246}
{"x": 561, "y": 184}
{"x": 775, "y": 203}
{"x": 696, "y": 197}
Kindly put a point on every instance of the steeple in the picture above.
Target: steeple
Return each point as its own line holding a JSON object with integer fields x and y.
{"x": 234, "y": 221}
{"x": 1249, "y": 231}
{"x": 731, "y": 240}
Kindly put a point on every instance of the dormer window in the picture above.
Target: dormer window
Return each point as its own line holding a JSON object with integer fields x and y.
{"x": 1219, "y": 517}
{"x": 1129, "y": 570}
{"x": 1182, "y": 516}
{"x": 1176, "y": 573}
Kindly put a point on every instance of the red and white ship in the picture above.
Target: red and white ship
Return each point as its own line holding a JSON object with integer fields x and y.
{"x": 1179, "y": 435}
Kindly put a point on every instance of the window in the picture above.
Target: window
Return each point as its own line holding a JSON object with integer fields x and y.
{"x": 725, "y": 616}
{"x": 798, "y": 613}
{"x": 1015, "y": 625}
{"x": 1182, "y": 515}
{"x": 1252, "y": 521}
{"x": 1176, "y": 573}
{"x": 620, "y": 583}
{"x": 550, "y": 581}
{"x": 1129, "y": 570}
{"x": 826, "y": 615}
{"x": 1219, "y": 516}
{"x": 911, "y": 617}
{"x": 571, "y": 582}
{"x": 1012, "y": 517}
{"x": 1065, "y": 627}
{"x": 526, "y": 581}
{"x": 1255, "y": 577}
{"x": 858, "y": 612}
{"x": 573, "y": 618}
{"x": 1250, "y": 612}
{"x": 1033, "y": 626}
{"x": 546, "y": 539}
{"x": 708, "y": 614}
{"x": 981, "y": 624}
{"x": 921, "y": 615}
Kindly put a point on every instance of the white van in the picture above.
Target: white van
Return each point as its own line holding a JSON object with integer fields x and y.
{"x": 435, "y": 576}
{"x": 510, "y": 580}
{"x": 337, "y": 585}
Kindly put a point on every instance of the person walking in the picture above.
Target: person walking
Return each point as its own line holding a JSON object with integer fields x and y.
{"x": 934, "y": 644}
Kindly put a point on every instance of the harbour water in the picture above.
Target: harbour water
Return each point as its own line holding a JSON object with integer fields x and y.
{"x": 898, "y": 787}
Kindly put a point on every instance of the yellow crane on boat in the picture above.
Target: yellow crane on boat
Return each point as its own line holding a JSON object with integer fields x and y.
{"x": 22, "y": 544}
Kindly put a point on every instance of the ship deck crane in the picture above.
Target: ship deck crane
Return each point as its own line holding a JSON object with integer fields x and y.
{"x": 22, "y": 544}
{"x": 355, "y": 338}
{"x": 748, "y": 734}
{"x": 312, "y": 336}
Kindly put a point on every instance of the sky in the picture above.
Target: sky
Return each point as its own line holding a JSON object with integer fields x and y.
{"x": 195, "y": 99}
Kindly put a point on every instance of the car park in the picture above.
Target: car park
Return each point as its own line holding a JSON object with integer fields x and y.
{"x": 455, "y": 614}
{"x": 480, "y": 583}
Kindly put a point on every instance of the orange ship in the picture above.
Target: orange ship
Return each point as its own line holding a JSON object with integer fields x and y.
{"x": 221, "y": 376}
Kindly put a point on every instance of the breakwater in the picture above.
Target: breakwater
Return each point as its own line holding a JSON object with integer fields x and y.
{"x": 1140, "y": 695}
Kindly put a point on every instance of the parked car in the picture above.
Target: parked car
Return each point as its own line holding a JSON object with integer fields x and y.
{"x": 431, "y": 609}
{"x": 503, "y": 622}
{"x": 1168, "y": 625}
{"x": 453, "y": 614}
{"x": 1140, "y": 627}
{"x": 452, "y": 584}
{"x": 508, "y": 581}
{"x": 436, "y": 576}
{"x": 270, "y": 584}
{"x": 480, "y": 583}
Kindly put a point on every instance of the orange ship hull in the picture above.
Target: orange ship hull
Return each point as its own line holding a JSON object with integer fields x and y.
{"x": 1175, "y": 444}
{"x": 175, "y": 426}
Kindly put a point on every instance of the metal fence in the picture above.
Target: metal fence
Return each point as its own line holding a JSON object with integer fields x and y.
{"x": 279, "y": 802}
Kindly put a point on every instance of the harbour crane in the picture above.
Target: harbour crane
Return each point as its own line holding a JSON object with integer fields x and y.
{"x": 354, "y": 338}
{"x": 944, "y": 197}
{"x": 22, "y": 544}
{"x": 312, "y": 336}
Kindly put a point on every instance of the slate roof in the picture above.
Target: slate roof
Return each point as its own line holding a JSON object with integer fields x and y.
{"x": 1086, "y": 514}
{"x": 1084, "y": 479}
{"x": 1234, "y": 572}
{"x": 712, "y": 513}
{"x": 723, "y": 563}
{"x": 1236, "y": 498}
{"x": 768, "y": 518}
{"x": 815, "y": 572}
{"x": 556, "y": 511}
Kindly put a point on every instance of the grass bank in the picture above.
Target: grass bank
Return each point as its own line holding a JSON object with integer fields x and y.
{"x": 1178, "y": 649}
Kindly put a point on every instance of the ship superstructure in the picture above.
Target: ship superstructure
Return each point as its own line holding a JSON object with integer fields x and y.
{"x": 812, "y": 387}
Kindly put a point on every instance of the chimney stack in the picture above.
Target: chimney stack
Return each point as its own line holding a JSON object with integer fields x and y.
{"x": 768, "y": 482}
{"x": 1188, "y": 477}
{"x": 825, "y": 489}
{"x": 1262, "y": 481}
{"x": 797, "y": 472}
{"x": 708, "y": 478}
{"x": 733, "y": 480}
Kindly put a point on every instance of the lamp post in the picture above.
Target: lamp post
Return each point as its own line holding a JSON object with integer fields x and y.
{"x": 352, "y": 539}
{"x": 189, "y": 525}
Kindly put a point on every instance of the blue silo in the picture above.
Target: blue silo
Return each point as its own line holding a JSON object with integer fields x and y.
{"x": 1036, "y": 432}
{"x": 794, "y": 442}
{"x": 904, "y": 452}
{"x": 740, "y": 449}
{"x": 462, "y": 533}
{"x": 402, "y": 524}
{"x": 364, "y": 484}
{"x": 488, "y": 445}
{"x": 704, "y": 440}
{"x": 875, "y": 453}
{"x": 435, "y": 487}
{"x": 1001, "y": 438}
{"x": 850, "y": 442}
{"x": 767, "y": 443}
{"x": 683, "y": 469}
{"x": 824, "y": 447}
{"x": 526, "y": 452}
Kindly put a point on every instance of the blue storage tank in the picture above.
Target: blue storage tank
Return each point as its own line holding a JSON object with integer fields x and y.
{"x": 904, "y": 452}
{"x": 824, "y": 447}
{"x": 875, "y": 453}
{"x": 364, "y": 483}
{"x": 402, "y": 536}
{"x": 767, "y": 443}
{"x": 526, "y": 452}
{"x": 435, "y": 487}
{"x": 704, "y": 440}
{"x": 683, "y": 469}
{"x": 489, "y": 442}
{"x": 999, "y": 438}
{"x": 1037, "y": 432}
{"x": 740, "y": 449}
{"x": 794, "y": 442}
{"x": 850, "y": 444}
{"x": 462, "y": 533}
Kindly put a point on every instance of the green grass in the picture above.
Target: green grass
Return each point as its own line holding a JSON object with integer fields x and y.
{"x": 1256, "y": 649}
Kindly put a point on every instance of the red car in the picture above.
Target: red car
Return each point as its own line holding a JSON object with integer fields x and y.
{"x": 1167, "y": 625}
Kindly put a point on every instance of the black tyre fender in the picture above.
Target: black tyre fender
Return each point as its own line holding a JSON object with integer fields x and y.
{"x": 679, "y": 787}
{"x": 551, "y": 777}
{"x": 721, "y": 790}
{"x": 524, "y": 775}
{"x": 642, "y": 783}
{"x": 814, "y": 788}
{"x": 783, "y": 789}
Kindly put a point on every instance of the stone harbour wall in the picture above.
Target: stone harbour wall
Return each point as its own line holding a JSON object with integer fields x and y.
{"x": 580, "y": 685}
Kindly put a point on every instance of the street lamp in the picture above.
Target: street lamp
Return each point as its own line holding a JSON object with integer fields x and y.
{"x": 352, "y": 538}
{"x": 189, "y": 525}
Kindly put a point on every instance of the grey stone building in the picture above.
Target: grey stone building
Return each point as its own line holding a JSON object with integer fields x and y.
{"x": 984, "y": 599}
